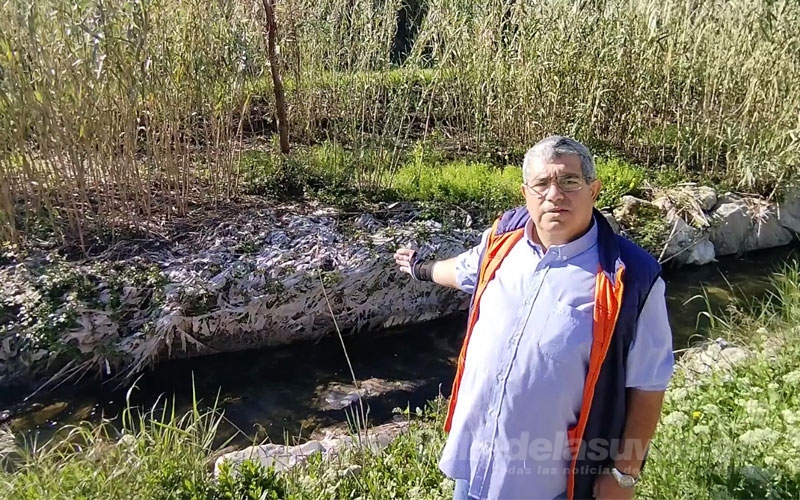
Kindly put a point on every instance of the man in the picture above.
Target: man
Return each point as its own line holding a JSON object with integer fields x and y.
{"x": 568, "y": 349}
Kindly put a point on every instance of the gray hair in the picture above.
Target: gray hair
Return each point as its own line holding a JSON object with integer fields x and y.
{"x": 554, "y": 147}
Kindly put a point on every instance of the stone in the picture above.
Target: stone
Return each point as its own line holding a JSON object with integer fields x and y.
{"x": 732, "y": 225}
{"x": 703, "y": 253}
{"x": 713, "y": 356}
{"x": 691, "y": 202}
{"x": 686, "y": 244}
{"x": 351, "y": 471}
{"x": 768, "y": 232}
{"x": 284, "y": 457}
{"x": 789, "y": 212}
{"x": 630, "y": 209}
{"x": 705, "y": 196}
{"x": 743, "y": 224}
{"x": 612, "y": 221}
{"x": 336, "y": 396}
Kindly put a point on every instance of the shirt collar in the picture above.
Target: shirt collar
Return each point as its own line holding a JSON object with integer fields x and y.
{"x": 567, "y": 250}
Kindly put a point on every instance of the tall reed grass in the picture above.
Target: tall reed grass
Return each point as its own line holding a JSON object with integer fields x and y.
{"x": 111, "y": 108}
{"x": 110, "y": 111}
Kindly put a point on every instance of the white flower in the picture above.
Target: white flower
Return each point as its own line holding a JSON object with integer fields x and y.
{"x": 678, "y": 394}
{"x": 792, "y": 378}
{"x": 701, "y": 430}
{"x": 795, "y": 440}
{"x": 676, "y": 418}
{"x": 773, "y": 386}
{"x": 756, "y": 437}
{"x": 711, "y": 409}
{"x": 790, "y": 417}
{"x": 754, "y": 409}
{"x": 415, "y": 492}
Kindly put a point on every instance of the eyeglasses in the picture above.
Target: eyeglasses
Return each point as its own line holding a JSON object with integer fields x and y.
{"x": 566, "y": 183}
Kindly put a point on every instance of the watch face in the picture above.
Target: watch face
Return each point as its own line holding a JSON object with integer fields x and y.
{"x": 624, "y": 480}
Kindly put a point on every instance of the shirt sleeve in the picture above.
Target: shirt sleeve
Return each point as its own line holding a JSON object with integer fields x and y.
{"x": 467, "y": 265}
{"x": 650, "y": 358}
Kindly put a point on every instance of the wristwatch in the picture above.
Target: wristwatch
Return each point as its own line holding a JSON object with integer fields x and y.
{"x": 623, "y": 480}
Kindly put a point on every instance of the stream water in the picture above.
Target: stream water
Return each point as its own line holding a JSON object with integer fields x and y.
{"x": 285, "y": 393}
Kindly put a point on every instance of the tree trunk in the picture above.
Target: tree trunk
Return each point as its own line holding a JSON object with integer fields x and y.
{"x": 277, "y": 84}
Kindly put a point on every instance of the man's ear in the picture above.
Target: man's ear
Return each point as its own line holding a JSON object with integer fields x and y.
{"x": 597, "y": 186}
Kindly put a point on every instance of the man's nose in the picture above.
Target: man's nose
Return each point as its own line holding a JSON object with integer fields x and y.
{"x": 554, "y": 192}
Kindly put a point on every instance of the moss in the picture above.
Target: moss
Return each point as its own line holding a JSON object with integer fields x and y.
{"x": 331, "y": 278}
{"x": 248, "y": 245}
{"x": 197, "y": 301}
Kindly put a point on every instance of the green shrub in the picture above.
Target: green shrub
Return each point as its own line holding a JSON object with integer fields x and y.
{"x": 250, "y": 481}
{"x": 619, "y": 178}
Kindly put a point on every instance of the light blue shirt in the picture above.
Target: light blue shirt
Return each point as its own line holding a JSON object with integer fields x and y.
{"x": 526, "y": 364}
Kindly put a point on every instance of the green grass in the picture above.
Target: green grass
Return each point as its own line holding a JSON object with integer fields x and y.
{"x": 726, "y": 435}
{"x": 419, "y": 174}
{"x": 736, "y": 434}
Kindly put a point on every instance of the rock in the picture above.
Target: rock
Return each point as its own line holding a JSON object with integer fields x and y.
{"x": 742, "y": 225}
{"x": 705, "y": 196}
{"x": 283, "y": 457}
{"x": 789, "y": 212}
{"x": 732, "y": 226}
{"x": 716, "y": 355}
{"x": 337, "y": 396}
{"x": 48, "y": 413}
{"x": 768, "y": 231}
{"x": 690, "y": 202}
{"x": 703, "y": 253}
{"x": 612, "y": 222}
{"x": 351, "y": 471}
{"x": 631, "y": 208}
{"x": 687, "y": 244}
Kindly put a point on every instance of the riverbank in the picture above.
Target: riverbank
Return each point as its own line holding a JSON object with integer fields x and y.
{"x": 264, "y": 272}
{"x": 170, "y": 223}
{"x": 732, "y": 406}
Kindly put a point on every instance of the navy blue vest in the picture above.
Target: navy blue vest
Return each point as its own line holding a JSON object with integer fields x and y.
{"x": 608, "y": 411}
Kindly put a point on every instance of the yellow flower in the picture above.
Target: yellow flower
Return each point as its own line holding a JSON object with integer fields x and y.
{"x": 696, "y": 415}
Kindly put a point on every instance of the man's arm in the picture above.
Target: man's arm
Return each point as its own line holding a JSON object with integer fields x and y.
{"x": 443, "y": 272}
{"x": 644, "y": 410}
{"x": 460, "y": 272}
{"x": 648, "y": 371}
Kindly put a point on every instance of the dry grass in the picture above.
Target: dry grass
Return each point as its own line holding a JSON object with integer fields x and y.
{"x": 107, "y": 107}
{"x": 104, "y": 107}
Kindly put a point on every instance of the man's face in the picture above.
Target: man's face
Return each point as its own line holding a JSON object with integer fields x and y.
{"x": 559, "y": 199}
